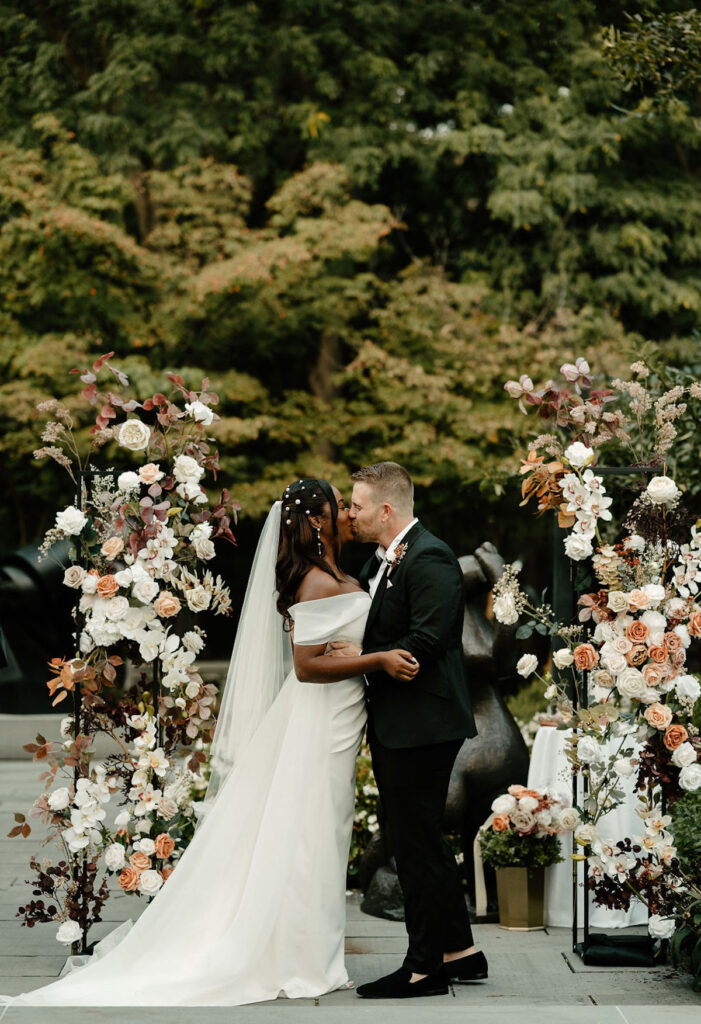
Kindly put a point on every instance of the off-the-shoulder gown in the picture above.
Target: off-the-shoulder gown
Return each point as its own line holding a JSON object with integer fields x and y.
{"x": 256, "y": 906}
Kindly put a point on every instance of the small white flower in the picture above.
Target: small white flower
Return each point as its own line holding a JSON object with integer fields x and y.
{"x": 74, "y": 576}
{"x": 684, "y": 755}
{"x": 134, "y": 434}
{"x": 193, "y": 642}
{"x": 122, "y": 819}
{"x": 563, "y": 657}
{"x": 690, "y": 777}
{"x": 662, "y": 490}
{"x": 528, "y": 803}
{"x": 150, "y": 882}
{"x": 504, "y": 804}
{"x": 563, "y": 91}
{"x": 71, "y": 520}
{"x": 526, "y": 665}
{"x": 655, "y": 592}
{"x": 146, "y": 846}
{"x": 114, "y": 857}
{"x": 688, "y": 686}
{"x": 192, "y": 689}
{"x": 128, "y": 482}
{"x": 617, "y": 601}
{"x": 589, "y": 751}
{"x": 569, "y": 819}
{"x": 186, "y": 469}
{"x": 145, "y": 590}
{"x": 586, "y": 833}
{"x": 200, "y": 412}
{"x": 578, "y": 547}
{"x": 579, "y": 455}
{"x": 550, "y": 692}
{"x": 203, "y": 548}
{"x": 634, "y": 542}
{"x": 198, "y": 599}
{"x": 70, "y": 931}
{"x": 624, "y": 767}
{"x": 506, "y": 108}
{"x": 661, "y": 927}
{"x": 59, "y": 799}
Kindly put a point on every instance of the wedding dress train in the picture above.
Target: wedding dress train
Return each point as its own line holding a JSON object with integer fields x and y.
{"x": 256, "y": 906}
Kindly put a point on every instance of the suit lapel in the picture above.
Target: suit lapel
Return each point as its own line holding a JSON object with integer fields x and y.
{"x": 413, "y": 533}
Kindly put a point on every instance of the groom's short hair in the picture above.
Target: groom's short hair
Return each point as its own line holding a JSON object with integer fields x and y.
{"x": 391, "y": 483}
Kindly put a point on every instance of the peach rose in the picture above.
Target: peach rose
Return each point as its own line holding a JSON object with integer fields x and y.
{"x": 673, "y": 642}
{"x": 150, "y": 473}
{"x": 678, "y": 658}
{"x": 658, "y": 654}
{"x": 638, "y": 599}
{"x": 585, "y": 657}
{"x": 675, "y": 736}
{"x": 112, "y": 547}
{"x": 637, "y": 655}
{"x": 516, "y": 790}
{"x": 500, "y": 822}
{"x": 637, "y": 632}
{"x": 166, "y": 873}
{"x": 107, "y": 586}
{"x": 658, "y": 715}
{"x": 164, "y": 845}
{"x": 695, "y": 624}
{"x": 129, "y": 879}
{"x": 139, "y": 861}
{"x": 166, "y": 605}
{"x": 653, "y": 675}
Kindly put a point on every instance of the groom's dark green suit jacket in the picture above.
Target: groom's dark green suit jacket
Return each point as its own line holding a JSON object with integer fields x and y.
{"x": 420, "y": 608}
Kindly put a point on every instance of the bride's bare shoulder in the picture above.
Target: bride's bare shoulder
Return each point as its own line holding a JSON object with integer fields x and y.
{"x": 316, "y": 584}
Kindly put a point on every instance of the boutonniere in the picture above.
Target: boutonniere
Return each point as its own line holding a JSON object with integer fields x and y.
{"x": 395, "y": 558}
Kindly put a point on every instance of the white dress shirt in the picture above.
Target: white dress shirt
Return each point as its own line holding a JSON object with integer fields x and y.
{"x": 382, "y": 553}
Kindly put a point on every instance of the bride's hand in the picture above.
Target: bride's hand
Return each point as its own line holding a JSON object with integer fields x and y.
{"x": 400, "y": 664}
{"x": 343, "y": 649}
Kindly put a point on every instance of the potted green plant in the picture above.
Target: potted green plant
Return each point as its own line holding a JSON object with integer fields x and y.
{"x": 519, "y": 840}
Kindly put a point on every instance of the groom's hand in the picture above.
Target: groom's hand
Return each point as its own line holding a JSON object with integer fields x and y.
{"x": 343, "y": 649}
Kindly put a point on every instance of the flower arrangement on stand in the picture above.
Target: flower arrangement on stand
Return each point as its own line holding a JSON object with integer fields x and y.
{"x": 141, "y": 540}
{"x": 519, "y": 839}
{"x": 630, "y": 700}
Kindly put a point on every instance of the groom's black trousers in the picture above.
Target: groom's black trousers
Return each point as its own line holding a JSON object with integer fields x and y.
{"x": 413, "y": 785}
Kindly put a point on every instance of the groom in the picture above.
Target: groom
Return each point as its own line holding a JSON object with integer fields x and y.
{"x": 416, "y": 729}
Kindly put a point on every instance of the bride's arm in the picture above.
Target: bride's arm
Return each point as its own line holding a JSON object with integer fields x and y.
{"x": 313, "y": 665}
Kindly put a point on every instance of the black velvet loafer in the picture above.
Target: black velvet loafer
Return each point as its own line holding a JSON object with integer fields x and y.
{"x": 399, "y": 986}
{"x": 467, "y": 969}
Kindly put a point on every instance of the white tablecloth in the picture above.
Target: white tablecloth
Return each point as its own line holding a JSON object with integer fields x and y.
{"x": 550, "y": 767}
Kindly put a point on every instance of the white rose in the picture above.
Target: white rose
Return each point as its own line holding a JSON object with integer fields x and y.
{"x": 623, "y": 766}
{"x": 203, "y": 548}
{"x": 550, "y": 692}
{"x": 661, "y": 927}
{"x": 579, "y": 455}
{"x": 618, "y": 601}
{"x": 654, "y": 620}
{"x": 526, "y": 665}
{"x": 528, "y": 803}
{"x": 684, "y": 755}
{"x": 200, "y": 412}
{"x": 604, "y": 631}
{"x": 662, "y": 490}
{"x": 578, "y": 547}
{"x": 631, "y": 684}
{"x": 655, "y": 592}
{"x": 505, "y": 610}
{"x": 585, "y": 833}
{"x": 150, "y": 882}
{"x": 193, "y": 642}
{"x": 114, "y": 857}
{"x": 683, "y": 633}
{"x": 186, "y": 469}
{"x": 201, "y": 531}
{"x": 563, "y": 657}
{"x": 59, "y": 799}
{"x": 124, "y": 577}
{"x": 74, "y": 576}
{"x": 198, "y": 599}
{"x": 504, "y": 804}
{"x": 568, "y": 819}
{"x": 192, "y": 689}
{"x": 134, "y": 435}
{"x": 145, "y": 590}
{"x": 589, "y": 751}
{"x": 614, "y": 661}
{"x": 71, "y": 520}
{"x": 117, "y": 608}
{"x": 146, "y": 846}
{"x": 70, "y": 931}
{"x": 690, "y": 777}
{"x": 128, "y": 482}
{"x": 688, "y": 686}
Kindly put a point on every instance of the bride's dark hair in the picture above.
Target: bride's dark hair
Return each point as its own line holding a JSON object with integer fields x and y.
{"x": 298, "y": 549}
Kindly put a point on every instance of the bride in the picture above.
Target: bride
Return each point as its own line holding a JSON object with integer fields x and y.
{"x": 255, "y": 908}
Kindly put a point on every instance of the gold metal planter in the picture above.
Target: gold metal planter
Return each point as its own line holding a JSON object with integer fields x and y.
{"x": 520, "y": 892}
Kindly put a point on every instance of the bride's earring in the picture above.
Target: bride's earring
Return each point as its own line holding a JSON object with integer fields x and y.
{"x": 319, "y": 545}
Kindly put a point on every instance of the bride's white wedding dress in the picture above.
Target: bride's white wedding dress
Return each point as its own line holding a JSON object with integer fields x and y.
{"x": 256, "y": 906}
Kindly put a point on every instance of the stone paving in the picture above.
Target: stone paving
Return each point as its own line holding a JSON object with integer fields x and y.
{"x": 534, "y": 977}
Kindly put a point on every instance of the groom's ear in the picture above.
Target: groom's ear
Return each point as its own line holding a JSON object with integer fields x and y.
{"x": 387, "y": 511}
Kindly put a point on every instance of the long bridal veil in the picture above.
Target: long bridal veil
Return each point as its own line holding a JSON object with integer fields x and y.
{"x": 259, "y": 663}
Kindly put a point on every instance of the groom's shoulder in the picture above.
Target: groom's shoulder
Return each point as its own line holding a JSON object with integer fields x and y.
{"x": 427, "y": 542}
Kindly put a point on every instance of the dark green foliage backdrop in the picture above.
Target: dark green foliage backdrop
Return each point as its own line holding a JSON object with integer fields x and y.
{"x": 358, "y": 218}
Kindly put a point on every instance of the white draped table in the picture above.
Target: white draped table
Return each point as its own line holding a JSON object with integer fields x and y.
{"x": 550, "y": 767}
